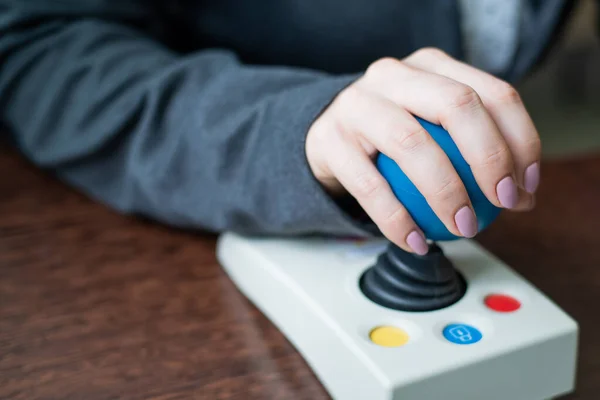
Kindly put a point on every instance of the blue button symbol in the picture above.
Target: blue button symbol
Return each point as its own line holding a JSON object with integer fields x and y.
{"x": 462, "y": 334}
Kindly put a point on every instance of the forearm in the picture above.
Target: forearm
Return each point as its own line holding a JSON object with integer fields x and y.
{"x": 197, "y": 141}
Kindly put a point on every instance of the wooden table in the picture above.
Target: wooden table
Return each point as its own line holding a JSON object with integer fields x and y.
{"x": 94, "y": 305}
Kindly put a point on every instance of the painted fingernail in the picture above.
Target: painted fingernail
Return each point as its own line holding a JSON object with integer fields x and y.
{"x": 532, "y": 177}
{"x": 507, "y": 192}
{"x": 417, "y": 242}
{"x": 466, "y": 222}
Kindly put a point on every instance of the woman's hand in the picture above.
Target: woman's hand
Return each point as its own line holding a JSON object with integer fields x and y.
{"x": 484, "y": 115}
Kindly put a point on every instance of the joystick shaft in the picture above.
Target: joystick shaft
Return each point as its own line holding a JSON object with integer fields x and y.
{"x": 408, "y": 282}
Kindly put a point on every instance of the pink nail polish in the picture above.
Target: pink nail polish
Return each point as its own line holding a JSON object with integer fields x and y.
{"x": 466, "y": 222}
{"x": 507, "y": 192}
{"x": 417, "y": 243}
{"x": 532, "y": 177}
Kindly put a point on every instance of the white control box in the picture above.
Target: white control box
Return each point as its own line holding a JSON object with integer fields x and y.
{"x": 503, "y": 340}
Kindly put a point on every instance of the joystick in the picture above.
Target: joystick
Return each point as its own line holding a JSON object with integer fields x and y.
{"x": 407, "y": 282}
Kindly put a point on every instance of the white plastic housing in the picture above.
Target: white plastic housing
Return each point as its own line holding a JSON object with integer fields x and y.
{"x": 309, "y": 289}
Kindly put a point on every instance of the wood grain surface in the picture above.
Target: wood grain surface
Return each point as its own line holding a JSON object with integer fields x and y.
{"x": 95, "y": 305}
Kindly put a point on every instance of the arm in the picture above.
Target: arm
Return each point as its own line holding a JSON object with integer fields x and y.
{"x": 192, "y": 140}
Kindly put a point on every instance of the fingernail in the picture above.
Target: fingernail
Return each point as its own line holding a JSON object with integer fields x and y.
{"x": 532, "y": 177}
{"x": 466, "y": 222}
{"x": 507, "y": 192}
{"x": 417, "y": 243}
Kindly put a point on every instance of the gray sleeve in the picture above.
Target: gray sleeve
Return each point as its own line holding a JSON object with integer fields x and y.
{"x": 195, "y": 140}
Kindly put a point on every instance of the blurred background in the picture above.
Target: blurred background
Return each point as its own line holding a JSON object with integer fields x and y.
{"x": 563, "y": 96}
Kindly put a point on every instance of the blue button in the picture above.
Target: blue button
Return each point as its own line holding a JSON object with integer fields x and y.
{"x": 462, "y": 334}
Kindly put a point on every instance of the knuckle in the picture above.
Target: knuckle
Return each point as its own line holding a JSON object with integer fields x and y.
{"x": 449, "y": 190}
{"x": 350, "y": 96}
{"x": 498, "y": 157}
{"x": 533, "y": 146}
{"x": 351, "y": 99}
{"x": 405, "y": 140}
{"x": 399, "y": 217}
{"x": 431, "y": 53}
{"x": 382, "y": 65}
{"x": 367, "y": 185}
{"x": 505, "y": 93}
{"x": 530, "y": 149}
{"x": 463, "y": 97}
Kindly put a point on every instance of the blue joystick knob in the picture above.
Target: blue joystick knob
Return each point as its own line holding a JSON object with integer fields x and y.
{"x": 416, "y": 204}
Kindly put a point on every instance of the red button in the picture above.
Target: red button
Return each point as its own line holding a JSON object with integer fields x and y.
{"x": 502, "y": 303}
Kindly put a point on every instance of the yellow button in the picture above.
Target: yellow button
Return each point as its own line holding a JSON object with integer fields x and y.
{"x": 388, "y": 336}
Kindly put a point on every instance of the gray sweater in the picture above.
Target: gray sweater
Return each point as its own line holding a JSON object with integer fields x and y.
{"x": 194, "y": 112}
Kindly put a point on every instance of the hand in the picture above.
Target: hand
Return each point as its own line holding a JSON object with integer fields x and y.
{"x": 484, "y": 115}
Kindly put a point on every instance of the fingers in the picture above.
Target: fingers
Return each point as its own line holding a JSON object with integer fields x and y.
{"x": 503, "y": 104}
{"x": 396, "y": 133}
{"x": 484, "y": 116}
{"x": 460, "y": 110}
{"x": 356, "y": 172}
